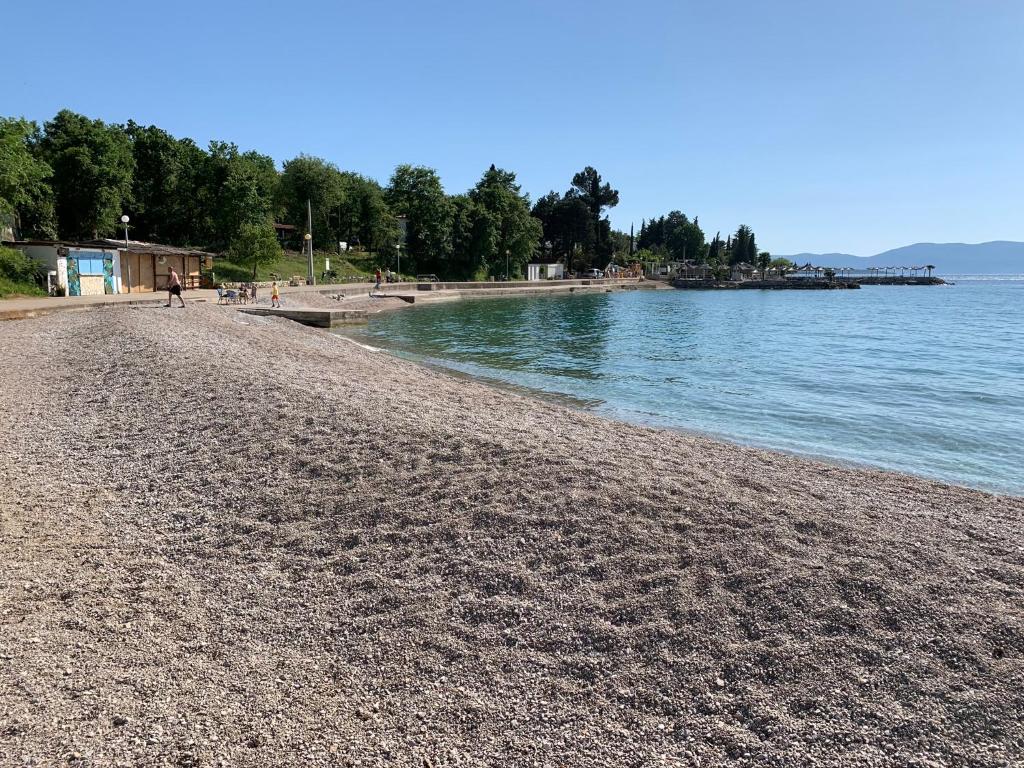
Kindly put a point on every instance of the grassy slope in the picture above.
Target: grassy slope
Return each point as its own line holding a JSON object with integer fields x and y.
{"x": 294, "y": 263}
{"x": 10, "y": 289}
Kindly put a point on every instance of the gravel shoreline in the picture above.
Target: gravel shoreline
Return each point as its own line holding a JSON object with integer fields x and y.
{"x": 234, "y": 540}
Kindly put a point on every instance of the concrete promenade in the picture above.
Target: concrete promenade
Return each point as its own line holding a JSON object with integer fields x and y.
{"x": 12, "y": 309}
{"x": 15, "y": 309}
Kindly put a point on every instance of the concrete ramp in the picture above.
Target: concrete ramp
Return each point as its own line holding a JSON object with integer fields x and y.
{"x": 318, "y": 318}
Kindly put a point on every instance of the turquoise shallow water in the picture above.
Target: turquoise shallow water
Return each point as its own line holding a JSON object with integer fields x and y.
{"x": 927, "y": 380}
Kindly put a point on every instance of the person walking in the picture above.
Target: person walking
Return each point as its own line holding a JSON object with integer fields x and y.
{"x": 174, "y": 288}
{"x": 275, "y": 295}
{"x": 377, "y": 275}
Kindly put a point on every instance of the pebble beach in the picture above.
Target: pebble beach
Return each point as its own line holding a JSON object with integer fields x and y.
{"x": 231, "y": 540}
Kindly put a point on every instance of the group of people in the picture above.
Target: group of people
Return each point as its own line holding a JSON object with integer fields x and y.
{"x": 246, "y": 291}
{"x": 241, "y": 295}
{"x": 387, "y": 276}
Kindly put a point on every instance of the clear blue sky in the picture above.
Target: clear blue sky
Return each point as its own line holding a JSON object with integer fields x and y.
{"x": 853, "y": 127}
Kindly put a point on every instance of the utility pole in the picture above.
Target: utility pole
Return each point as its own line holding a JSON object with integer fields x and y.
{"x": 310, "y": 277}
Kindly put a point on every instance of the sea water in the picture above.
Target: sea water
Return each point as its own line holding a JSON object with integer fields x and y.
{"x": 922, "y": 379}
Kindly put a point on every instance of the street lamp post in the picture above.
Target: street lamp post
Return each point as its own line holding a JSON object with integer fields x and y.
{"x": 403, "y": 232}
{"x": 309, "y": 255}
{"x": 128, "y": 263}
{"x": 507, "y": 275}
{"x": 310, "y": 278}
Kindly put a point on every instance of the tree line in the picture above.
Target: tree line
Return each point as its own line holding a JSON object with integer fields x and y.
{"x": 674, "y": 237}
{"x": 73, "y": 177}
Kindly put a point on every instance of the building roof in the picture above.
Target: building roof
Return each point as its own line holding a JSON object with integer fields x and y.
{"x": 63, "y": 243}
{"x": 137, "y": 246}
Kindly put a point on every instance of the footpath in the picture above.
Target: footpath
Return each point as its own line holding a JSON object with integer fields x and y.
{"x": 16, "y": 309}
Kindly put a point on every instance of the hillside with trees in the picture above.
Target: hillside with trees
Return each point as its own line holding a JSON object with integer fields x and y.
{"x": 73, "y": 177}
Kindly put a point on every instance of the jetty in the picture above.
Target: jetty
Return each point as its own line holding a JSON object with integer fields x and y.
{"x": 896, "y": 280}
{"x": 807, "y": 284}
{"x": 318, "y": 318}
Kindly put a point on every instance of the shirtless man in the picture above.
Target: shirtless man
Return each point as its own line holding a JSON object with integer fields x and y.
{"x": 174, "y": 288}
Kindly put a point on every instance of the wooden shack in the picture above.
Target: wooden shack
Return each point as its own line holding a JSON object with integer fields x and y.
{"x": 146, "y": 267}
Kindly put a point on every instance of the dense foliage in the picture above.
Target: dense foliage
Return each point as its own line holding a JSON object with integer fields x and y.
{"x": 74, "y": 177}
{"x": 574, "y": 227}
{"x": 19, "y": 275}
{"x": 677, "y": 238}
{"x": 24, "y": 177}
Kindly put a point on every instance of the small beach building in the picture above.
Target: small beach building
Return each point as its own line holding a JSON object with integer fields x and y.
{"x": 286, "y": 234}
{"x": 742, "y": 271}
{"x": 667, "y": 269}
{"x": 692, "y": 270}
{"x": 146, "y": 267}
{"x": 99, "y": 267}
{"x": 75, "y": 269}
{"x": 542, "y": 271}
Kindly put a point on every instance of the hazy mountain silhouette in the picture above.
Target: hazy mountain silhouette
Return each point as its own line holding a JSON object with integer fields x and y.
{"x": 993, "y": 258}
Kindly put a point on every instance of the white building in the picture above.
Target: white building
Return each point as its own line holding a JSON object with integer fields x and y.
{"x": 77, "y": 269}
{"x": 545, "y": 271}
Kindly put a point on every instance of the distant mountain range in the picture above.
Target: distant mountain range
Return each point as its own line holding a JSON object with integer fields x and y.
{"x": 999, "y": 257}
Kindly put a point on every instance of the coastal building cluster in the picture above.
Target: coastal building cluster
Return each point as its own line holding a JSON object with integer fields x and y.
{"x": 106, "y": 266}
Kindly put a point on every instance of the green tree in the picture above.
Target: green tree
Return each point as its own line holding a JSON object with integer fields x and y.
{"x": 620, "y": 246}
{"x": 567, "y": 227}
{"x": 416, "y": 192}
{"x": 256, "y": 244}
{"x": 782, "y": 265}
{"x": 236, "y": 188}
{"x": 92, "y": 173}
{"x": 166, "y": 188}
{"x": 764, "y": 260}
{"x": 684, "y": 239}
{"x": 514, "y": 233}
{"x": 474, "y": 238}
{"x": 743, "y": 246}
{"x": 25, "y": 193}
{"x": 313, "y": 179}
{"x": 597, "y": 195}
{"x": 715, "y": 249}
{"x": 363, "y": 216}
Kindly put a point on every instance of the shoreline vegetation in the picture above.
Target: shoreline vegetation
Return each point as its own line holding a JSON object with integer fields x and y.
{"x": 75, "y": 178}
{"x": 254, "y": 542}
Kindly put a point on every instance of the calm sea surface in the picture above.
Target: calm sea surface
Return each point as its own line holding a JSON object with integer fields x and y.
{"x": 923, "y": 379}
